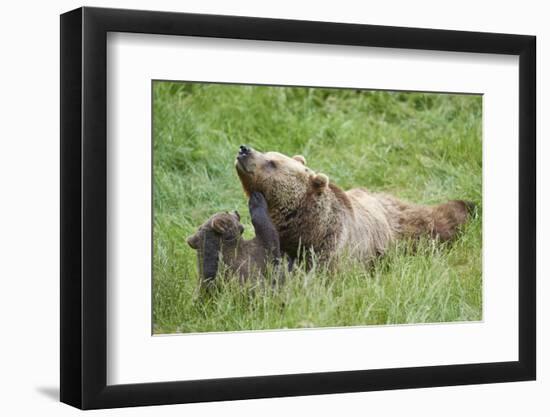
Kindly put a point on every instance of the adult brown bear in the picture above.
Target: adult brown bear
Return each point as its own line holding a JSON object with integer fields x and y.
{"x": 309, "y": 212}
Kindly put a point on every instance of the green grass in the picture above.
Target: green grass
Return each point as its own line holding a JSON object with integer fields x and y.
{"x": 421, "y": 147}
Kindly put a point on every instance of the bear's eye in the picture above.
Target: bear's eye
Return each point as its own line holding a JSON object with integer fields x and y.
{"x": 272, "y": 164}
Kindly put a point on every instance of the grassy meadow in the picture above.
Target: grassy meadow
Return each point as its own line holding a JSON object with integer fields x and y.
{"x": 421, "y": 147}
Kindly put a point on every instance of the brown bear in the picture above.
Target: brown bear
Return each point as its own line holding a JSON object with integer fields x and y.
{"x": 220, "y": 238}
{"x": 310, "y": 212}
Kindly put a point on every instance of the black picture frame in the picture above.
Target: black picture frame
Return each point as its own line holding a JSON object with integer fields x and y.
{"x": 84, "y": 207}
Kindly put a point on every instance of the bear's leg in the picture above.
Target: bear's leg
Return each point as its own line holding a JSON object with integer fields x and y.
{"x": 263, "y": 226}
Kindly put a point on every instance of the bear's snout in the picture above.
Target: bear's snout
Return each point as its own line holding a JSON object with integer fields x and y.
{"x": 245, "y": 161}
{"x": 244, "y": 150}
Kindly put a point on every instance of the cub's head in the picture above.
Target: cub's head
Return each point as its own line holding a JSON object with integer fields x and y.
{"x": 283, "y": 180}
{"x": 219, "y": 230}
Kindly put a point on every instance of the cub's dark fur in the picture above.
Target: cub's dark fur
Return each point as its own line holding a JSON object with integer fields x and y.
{"x": 219, "y": 238}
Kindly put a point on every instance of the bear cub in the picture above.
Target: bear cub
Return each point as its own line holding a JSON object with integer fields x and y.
{"x": 220, "y": 239}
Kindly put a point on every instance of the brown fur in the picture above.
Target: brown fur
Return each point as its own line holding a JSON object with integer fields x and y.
{"x": 309, "y": 212}
{"x": 243, "y": 258}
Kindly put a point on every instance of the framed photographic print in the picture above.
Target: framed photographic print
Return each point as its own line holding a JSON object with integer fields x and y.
{"x": 257, "y": 207}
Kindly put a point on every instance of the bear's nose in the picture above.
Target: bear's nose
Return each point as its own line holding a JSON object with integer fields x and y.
{"x": 244, "y": 150}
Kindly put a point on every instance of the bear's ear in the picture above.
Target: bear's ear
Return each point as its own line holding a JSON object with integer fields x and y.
{"x": 319, "y": 182}
{"x": 300, "y": 159}
{"x": 194, "y": 241}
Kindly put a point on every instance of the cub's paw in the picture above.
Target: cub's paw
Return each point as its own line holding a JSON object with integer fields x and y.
{"x": 257, "y": 201}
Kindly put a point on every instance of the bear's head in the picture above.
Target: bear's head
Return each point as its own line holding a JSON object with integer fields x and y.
{"x": 284, "y": 181}
{"x": 222, "y": 229}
